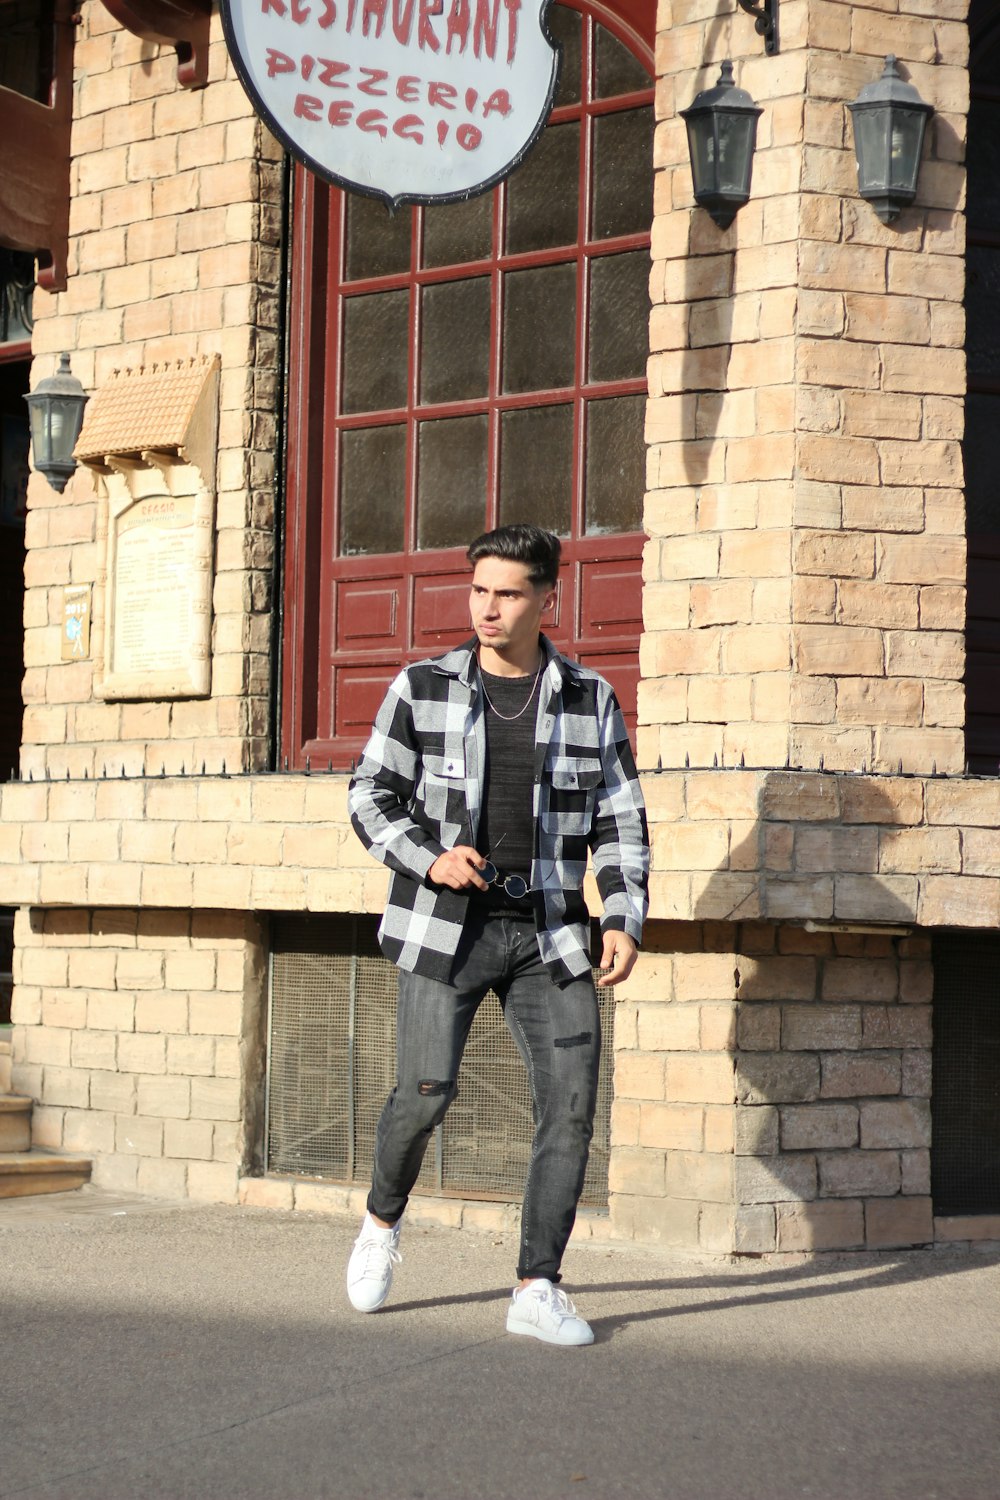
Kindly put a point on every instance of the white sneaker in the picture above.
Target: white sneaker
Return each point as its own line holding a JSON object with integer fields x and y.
{"x": 542, "y": 1311}
{"x": 369, "y": 1270}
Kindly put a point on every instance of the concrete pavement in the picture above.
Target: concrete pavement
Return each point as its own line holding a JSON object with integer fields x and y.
{"x": 170, "y": 1352}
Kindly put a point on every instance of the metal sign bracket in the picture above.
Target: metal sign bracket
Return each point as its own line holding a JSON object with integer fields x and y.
{"x": 765, "y": 13}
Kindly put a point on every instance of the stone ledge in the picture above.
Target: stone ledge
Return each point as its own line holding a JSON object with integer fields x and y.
{"x": 424, "y": 1210}
{"x": 728, "y": 845}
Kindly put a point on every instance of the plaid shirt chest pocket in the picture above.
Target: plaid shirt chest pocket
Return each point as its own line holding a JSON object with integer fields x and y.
{"x": 569, "y": 794}
{"x": 440, "y": 790}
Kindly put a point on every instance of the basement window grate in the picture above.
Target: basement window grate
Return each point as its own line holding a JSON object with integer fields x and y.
{"x": 965, "y": 1107}
{"x": 331, "y": 1065}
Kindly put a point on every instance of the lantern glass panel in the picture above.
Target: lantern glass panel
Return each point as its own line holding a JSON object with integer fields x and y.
{"x": 736, "y": 133}
{"x": 871, "y": 141}
{"x": 906, "y": 140}
{"x": 704, "y": 155}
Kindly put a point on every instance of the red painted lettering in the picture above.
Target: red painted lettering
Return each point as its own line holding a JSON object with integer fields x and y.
{"x": 352, "y": 6}
{"x": 373, "y": 121}
{"x": 458, "y": 25}
{"x": 267, "y": 6}
{"x": 308, "y": 63}
{"x": 425, "y": 31}
{"x": 442, "y": 132}
{"x": 513, "y": 6}
{"x": 308, "y": 108}
{"x": 374, "y": 76}
{"x": 330, "y": 70}
{"x": 329, "y": 14}
{"x": 340, "y": 112}
{"x": 484, "y": 32}
{"x": 300, "y": 12}
{"x": 468, "y": 136}
{"x": 407, "y": 88}
{"x": 497, "y": 104}
{"x": 278, "y": 62}
{"x": 402, "y": 20}
{"x": 470, "y": 99}
{"x": 441, "y": 95}
{"x": 372, "y": 8}
{"x": 410, "y": 128}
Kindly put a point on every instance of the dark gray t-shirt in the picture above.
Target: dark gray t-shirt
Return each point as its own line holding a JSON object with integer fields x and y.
{"x": 506, "y": 827}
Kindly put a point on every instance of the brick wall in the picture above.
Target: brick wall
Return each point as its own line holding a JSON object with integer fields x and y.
{"x": 175, "y": 230}
{"x": 806, "y": 563}
{"x": 772, "y": 1091}
{"x": 140, "y": 1037}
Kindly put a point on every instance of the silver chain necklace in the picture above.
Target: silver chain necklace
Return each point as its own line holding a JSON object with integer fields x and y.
{"x": 509, "y": 718}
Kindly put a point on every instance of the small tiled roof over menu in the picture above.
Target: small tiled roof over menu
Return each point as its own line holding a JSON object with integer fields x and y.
{"x": 150, "y": 408}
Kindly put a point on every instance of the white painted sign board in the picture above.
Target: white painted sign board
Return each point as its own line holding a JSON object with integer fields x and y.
{"x": 410, "y": 100}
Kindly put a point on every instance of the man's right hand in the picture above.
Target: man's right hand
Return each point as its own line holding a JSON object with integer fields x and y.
{"x": 458, "y": 868}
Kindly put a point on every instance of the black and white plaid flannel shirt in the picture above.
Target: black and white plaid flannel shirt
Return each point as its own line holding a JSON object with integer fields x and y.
{"x": 418, "y": 791}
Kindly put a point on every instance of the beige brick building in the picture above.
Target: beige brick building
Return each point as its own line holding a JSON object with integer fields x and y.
{"x": 812, "y": 682}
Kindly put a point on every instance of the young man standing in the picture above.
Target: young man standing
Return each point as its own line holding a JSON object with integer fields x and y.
{"x": 490, "y": 773}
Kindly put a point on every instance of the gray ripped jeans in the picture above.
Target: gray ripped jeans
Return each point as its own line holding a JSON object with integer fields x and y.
{"x": 556, "y": 1027}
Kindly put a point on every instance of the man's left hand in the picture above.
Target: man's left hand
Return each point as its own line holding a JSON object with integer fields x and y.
{"x": 617, "y": 959}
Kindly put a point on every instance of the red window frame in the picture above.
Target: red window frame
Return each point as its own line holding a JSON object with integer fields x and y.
{"x": 404, "y": 606}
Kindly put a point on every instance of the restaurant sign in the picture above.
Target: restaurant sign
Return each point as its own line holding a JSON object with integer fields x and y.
{"x": 417, "y": 100}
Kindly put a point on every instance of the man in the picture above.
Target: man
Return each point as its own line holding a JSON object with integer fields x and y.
{"x": 490, "y": 772}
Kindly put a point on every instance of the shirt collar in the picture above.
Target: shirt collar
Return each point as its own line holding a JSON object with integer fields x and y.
{"x": 461, "y": 662}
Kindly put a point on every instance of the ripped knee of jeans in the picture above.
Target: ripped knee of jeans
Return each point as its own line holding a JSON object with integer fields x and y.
{"x": 430, "y": 1088}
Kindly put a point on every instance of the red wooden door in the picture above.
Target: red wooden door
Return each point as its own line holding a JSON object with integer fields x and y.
{"x": 462, "y": 366}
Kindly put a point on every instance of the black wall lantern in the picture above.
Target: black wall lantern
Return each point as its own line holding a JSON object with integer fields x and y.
{"x": 722, "y": 133}
{"x": 55, "y": 411}
{"x": 889, "y": 123}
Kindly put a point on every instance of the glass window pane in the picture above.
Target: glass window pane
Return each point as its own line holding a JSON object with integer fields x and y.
{"x": 372, "y": 489}
{"x": 565, "y": 27}
{"x": 377, "y": 245}
{"x": 376, "y": 343}
{"x": 455, "y": 340}
{"x": 623, "y": 173}
{"x": 618, "y": 70}
{"x": 616, "y": 464}
{"x": 451, "y": 486}
{"x": 539, "y": 328}
{"x": 536, "y": 467}
{"x": 542, "y": 194}
{"x": 619, "y": 315}
{"x": 455, "y": 233}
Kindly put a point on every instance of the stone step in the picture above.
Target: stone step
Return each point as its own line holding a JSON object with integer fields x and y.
{"x": 24, "y": 1173}
{"x": 15, "y": 1123}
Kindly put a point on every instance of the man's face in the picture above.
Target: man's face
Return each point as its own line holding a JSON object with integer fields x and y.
{"x": 506, "y": 606}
